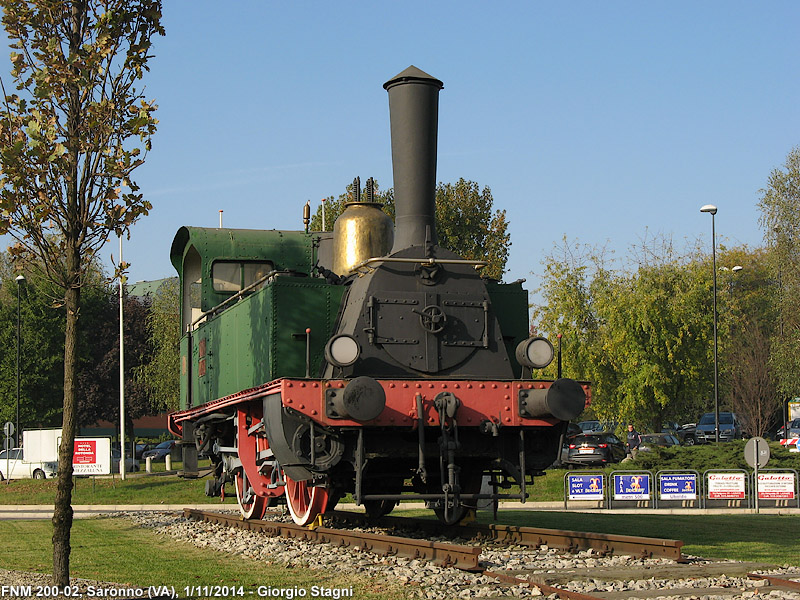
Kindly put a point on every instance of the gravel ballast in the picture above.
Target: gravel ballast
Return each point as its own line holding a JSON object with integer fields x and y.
{"x": 430, "y": 582}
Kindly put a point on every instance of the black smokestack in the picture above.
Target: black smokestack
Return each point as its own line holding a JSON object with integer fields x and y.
{"x": 414, "y": 116}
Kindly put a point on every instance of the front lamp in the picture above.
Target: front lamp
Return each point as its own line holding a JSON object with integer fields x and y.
{"x": 535, "y": 353}
{"x": 342, "y": 350}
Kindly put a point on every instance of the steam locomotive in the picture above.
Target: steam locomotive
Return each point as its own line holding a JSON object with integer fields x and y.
{"x": 368, "y": 360}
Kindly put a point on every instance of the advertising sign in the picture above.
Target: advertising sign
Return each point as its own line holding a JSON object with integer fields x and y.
{"x": 794, "y": 409}
{"x": 776, "y": 486}
{"x": 585, "y": 487}
{"x": 92, "y": 456}
{"x": 726, "y": 486}
{"x": 678, "y": 486}
{"x": 632, "y": 487}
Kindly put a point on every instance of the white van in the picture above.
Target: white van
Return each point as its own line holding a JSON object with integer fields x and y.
{"x": 11, "y": 462}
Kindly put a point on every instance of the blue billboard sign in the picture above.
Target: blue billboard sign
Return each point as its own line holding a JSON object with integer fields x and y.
{"x": 585, "y": 487}
{"x": 678, "y": 486}
{"x": 632, "y": 487}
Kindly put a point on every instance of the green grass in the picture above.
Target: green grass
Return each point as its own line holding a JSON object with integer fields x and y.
{"x": 137, "y": 489}
{"x": 115, "y": 550}
{"x": 749, "y": 537}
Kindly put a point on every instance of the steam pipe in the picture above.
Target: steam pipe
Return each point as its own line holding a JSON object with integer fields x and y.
{"x": 414, "y": 117}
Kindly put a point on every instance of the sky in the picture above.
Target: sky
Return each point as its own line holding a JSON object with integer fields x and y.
{"x": 605, "y": 122}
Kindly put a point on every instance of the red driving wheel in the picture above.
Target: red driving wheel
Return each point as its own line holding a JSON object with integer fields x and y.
{"x": 251, "y": 505}
{"x": 304, "y": 501}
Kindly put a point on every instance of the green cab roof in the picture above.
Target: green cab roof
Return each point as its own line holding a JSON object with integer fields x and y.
{"x": 285, "y": 249}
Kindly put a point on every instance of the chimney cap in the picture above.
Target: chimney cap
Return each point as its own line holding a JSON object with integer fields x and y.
{"x": 413, "y": 74}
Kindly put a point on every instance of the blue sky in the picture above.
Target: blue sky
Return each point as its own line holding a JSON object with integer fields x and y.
{"x": 603, "y": 121}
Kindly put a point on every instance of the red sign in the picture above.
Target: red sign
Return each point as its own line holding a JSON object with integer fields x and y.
{"x": 773, "y": 486}
{"x": 85, "y": 452}
{"x": 729, "y": 486}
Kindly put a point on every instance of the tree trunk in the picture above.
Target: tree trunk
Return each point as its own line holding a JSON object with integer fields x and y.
{"x": 62, "y": 515}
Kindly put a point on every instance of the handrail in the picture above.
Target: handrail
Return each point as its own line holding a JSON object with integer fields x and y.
{"x": 424, "y": 261}
{"x": 237, "y": 295}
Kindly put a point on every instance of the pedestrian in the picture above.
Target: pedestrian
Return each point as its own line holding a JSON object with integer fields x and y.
{"x": 634, "y": 439}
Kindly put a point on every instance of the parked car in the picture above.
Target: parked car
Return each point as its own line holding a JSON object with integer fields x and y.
{"x": 688, "y": 434}
{"x": 595, "y": 449}
{"x": 142, "y": 448}
{"x": 131, "y": 464}
{"x": 660, "y": 440}
{"x": 563, "y": 457}
{"x": 685, "y": 433}
{"x": 11, "y": 462}
{"x": 794, "y": 430}
{"x": 729, "y": 428}
{"x": 160, "y": 451}
{"x": 590, "y": 426}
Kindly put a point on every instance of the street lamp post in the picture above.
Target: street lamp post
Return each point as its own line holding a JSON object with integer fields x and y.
{"x": 710, "y": 208}
{"x": 20, "y": 280}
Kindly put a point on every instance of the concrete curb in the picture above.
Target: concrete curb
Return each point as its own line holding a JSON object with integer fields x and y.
{"x": 82, "y": 511}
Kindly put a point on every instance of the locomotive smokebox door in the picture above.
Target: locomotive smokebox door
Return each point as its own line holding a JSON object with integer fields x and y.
{"x": 426, "y": 331}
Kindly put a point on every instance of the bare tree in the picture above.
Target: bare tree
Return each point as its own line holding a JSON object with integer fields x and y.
{"x": 754, "y": 396}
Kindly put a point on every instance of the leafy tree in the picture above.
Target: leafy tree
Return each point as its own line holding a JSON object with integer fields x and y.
{"x": 466, "y": 222}
{"x": 98, "y": 380}
{"x": 41, "y": 336}
{"x": 657, "y": 333}
{"x": 571, "y": 271}
{"x": 639, "y": 335}
{"x": 780, "y": 221}
{"x": 70, "y": 138}
{"x": 42, "y": 343}
{"x": 160, "y": 375}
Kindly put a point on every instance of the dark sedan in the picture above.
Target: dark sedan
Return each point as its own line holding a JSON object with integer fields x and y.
{"x": 658, "y": 440}
{"x": 159, "y": 452}
{"x": 595, "y": 449}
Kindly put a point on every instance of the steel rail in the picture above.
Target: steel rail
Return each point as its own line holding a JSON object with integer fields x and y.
{"x": 573, "y": 541}
{"x": 545, "y": 588}
{"x": 787, "y": 584}
{"x": 440, "y": 553}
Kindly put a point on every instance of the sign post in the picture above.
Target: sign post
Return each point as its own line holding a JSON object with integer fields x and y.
{"x": 8, "y": 431}
{"x": 756, "y": 453}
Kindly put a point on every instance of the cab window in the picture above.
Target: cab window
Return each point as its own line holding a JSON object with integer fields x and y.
{"x": 192, "y": 287}
{"x": 232, "y": 276}
{"x": 227, "y": 276}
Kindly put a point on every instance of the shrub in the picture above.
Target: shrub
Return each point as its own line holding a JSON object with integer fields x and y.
{"x": 727, "y": 455}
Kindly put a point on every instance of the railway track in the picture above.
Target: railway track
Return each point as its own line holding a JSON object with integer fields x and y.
{"x": 642, "y": 577}
{"x": 459, "y": 556}
{"x": 535, "y": 537}
{"x": 443, "y": 554}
